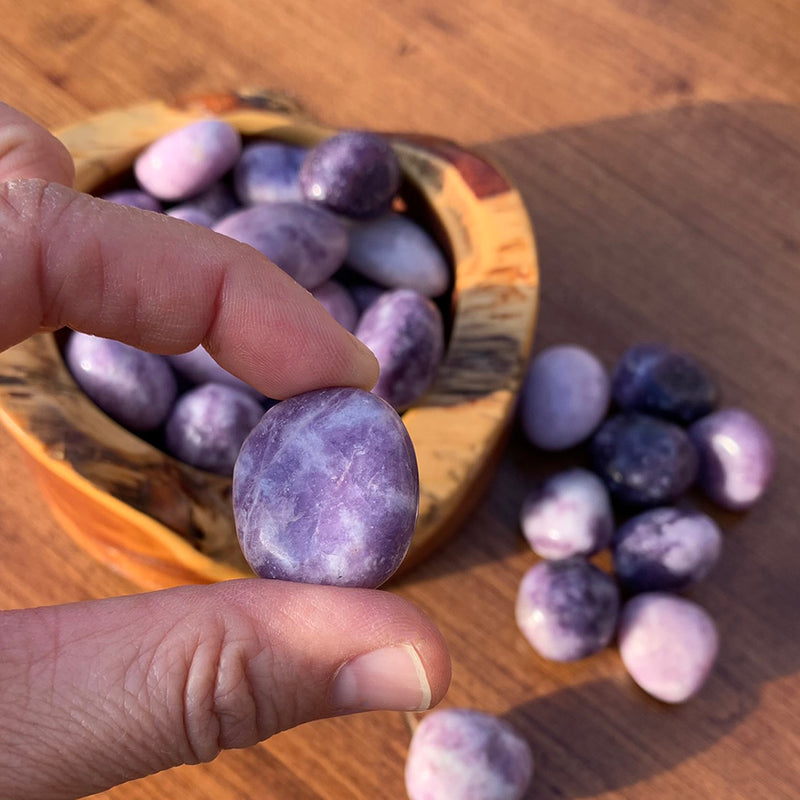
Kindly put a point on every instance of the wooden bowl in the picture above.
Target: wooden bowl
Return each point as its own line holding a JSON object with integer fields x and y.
{"x": 161, "y": 522}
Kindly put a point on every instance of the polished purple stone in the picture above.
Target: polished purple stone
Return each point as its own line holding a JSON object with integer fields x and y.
{"x": 665, "y": 549}
{"x": 134, "y": 387}
{"x": 354, "y": 173}
{"x": 208, "y": 425}
{"x": 737, "y": 457}
{"x": 659, "y": 380}
{"x": 198, "y": 366}
{"x": 567, "y": 609}
{"x": 365, "y": 294}
{"x": 326, "y": 490}
{"x": 644, "y": 460}
{"x": 189, "y": 160}
{"x": 568, "y": 514}
{"x": 405, "y": 331}
{"x": 395, "y": 252}
{"x": 564, "y": 397}
{"x": 463, "y": 754}
{"x": 269, "y": 172}
{"x": 192, "y": 214}
{"x": 338, "y": 302}
{"x": 135, "y": 198}
{"x": 306, "y": 242}
{"x": 668, "y": 644}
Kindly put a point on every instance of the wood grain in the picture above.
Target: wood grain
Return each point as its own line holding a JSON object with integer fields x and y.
{"x": 657, "y": 145}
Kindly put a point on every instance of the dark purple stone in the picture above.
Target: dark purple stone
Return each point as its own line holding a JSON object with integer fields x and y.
{"x": 644, "y": 460}
{"x": 208, "y": 425}
{"x": 737, "y": 457}
{"x": 306, "y": 242}
{"x": 567, "y": 609}
{"x": 326, "y": 490}
{"x": 207, "y": 207}
{"x": 463, "y": 754}
{"x": 355, "y": 173}
{"x": 134, "y": 387}
{"x": 658, "y": 380}
{"x": 405, "y": 331}
{"x": 665, "y": 549}
{"x": 198, "y": 366}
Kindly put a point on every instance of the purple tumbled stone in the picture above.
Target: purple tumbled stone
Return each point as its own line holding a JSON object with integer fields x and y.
{"x": 395, "y": 252}
{"x": 269, "y": 172}
{"x": 198, "y": 366}
{"x": 567, "y": 609}
{"x": 208, "y": 425}
{"x": 135, "y": 198}
{"x": 354, "y": 173}
{"x": 737, "y": 457}
{"x": 668, "y": 645}
{"x": 659, "y": 380}
{"x": 338, "y": 302}
{"x": 567, "y": 515}
{"x": 134, "y": 387}
{"x": 189, "y": 160}
{"x": 463, "y": 754}
{"x": 306, "y": 242}
{"x": 191, "y": 214}
{"x": 405, "y": 331}
{"x": 644, "y": 460}
{"x": 326, "y": 490}
{"x": 365, "y": 294}
{"x": 565, "y": 395}
{"x": 665, "y": 549}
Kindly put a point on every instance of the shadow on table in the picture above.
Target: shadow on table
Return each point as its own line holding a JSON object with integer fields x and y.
{"x": 680, "y": 226}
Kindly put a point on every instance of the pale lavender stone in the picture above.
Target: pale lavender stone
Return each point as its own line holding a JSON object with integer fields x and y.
{"x": 306, "y": 242}
{"x": 668, "y": 644}
{"x": 665, "y": 549}
{"x": 189, "y": 160}
{"x": 326, "y": 490}
{"x": 737, "y": 457}
{"x": 405, "y": 331}
{"x": 208, "y": 425}
{"x": 397, "y": 253}
{"x": 567, "y": 515}
{"x": 198, "y": 366}
{"x": 567, "y": 609}
{"x": 354, "y": 173}
{"x": 338, "y": 302}
{"x": 192, "y": 214}
{"x": 134, "y": 387}
{"x": 134, "y": 198}
{"x": 269, "y": 172}
{"x": 463, "y": 754}
{"x": 565, "y": 396}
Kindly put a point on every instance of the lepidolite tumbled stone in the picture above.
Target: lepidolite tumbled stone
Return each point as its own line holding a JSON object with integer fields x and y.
{"x": 405, "y": 331}
{"x": 326, "y": 490}
{"x": 338, "y": 302}
{"x": 189, "y": 160}
{"x": 308, "y": 243}
{"x": 395, "y": 252}
{"x": 269, "y": 172}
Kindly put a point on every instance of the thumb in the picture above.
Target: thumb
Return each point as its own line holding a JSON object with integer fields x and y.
{"x": 176, "y": 676}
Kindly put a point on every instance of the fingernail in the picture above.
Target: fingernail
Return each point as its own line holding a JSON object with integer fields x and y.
{"x": 391, "y": 679}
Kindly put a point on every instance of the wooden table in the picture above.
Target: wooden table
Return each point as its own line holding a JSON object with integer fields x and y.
{"x": 657, "y": 144}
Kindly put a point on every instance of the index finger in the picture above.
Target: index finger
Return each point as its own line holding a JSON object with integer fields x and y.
{"x": 154, "y": 282}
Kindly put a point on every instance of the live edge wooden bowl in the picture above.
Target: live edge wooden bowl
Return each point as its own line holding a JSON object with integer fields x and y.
{"x": 161, "y": 522}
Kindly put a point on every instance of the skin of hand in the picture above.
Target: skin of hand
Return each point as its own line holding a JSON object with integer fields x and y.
{"x": 96, "y": 693}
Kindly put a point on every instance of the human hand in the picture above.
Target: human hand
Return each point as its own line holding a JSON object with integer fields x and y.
{"x": 96, "y": 693}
